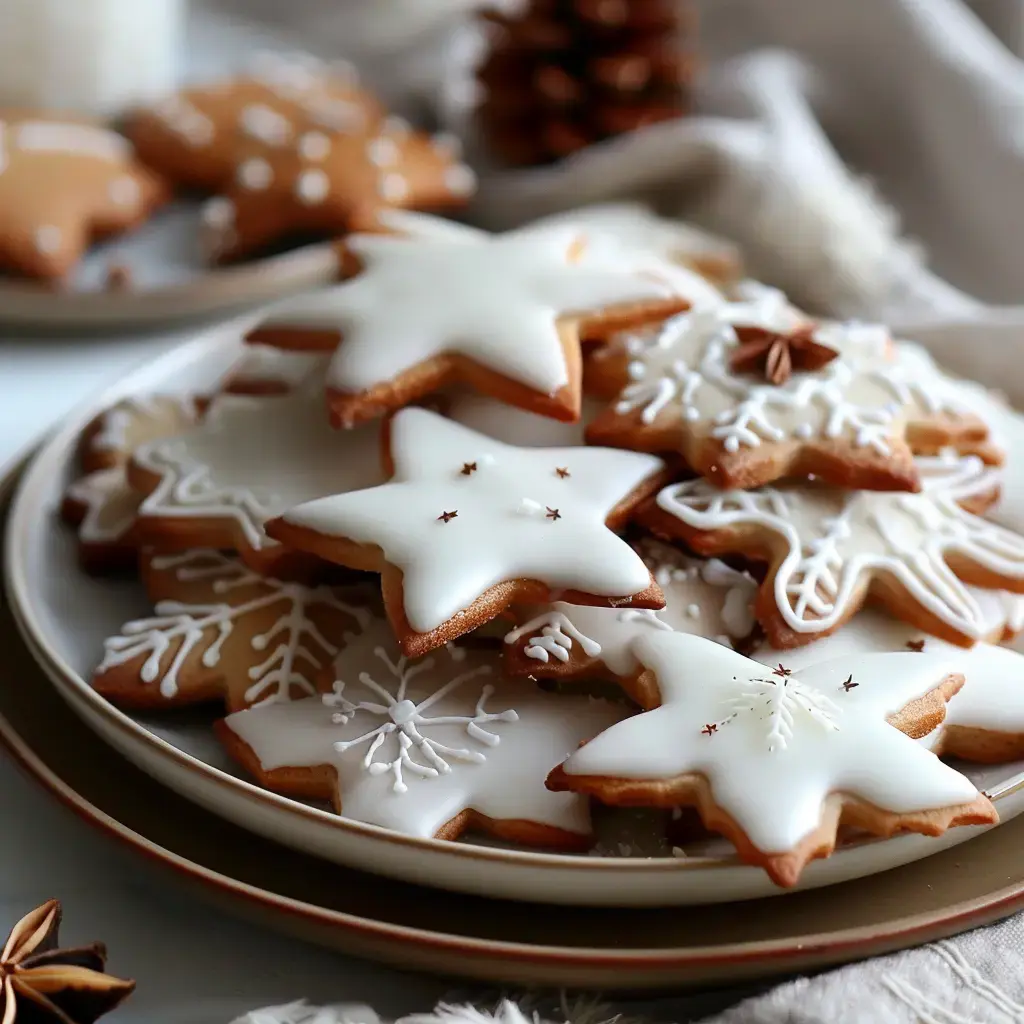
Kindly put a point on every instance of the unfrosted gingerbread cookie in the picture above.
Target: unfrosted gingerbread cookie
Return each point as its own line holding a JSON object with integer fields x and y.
{"x": 430, "y": 747}
{"x": 830, "y": 550}
{"x": 63, "y": 185}
{"x": 776, "y": 760}
{"x": 467, "y": 525}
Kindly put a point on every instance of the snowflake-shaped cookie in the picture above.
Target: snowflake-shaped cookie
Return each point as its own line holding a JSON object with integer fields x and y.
{"x": 853, "y": 421}
{"x": 468, "y": 525}
{"x": 776, "y": 760}
{"x": 831, "y": 550}
{"x": 502, "y": 313}
{"x": 562, "y": 641}
{"x": 219, "y": 631}
{"x": 249, "y": 459}
{"x": 428, "y": 747}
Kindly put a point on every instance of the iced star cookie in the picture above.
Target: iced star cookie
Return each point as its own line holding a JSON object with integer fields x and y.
{"x": 431, "y": 747}
{"x": 63, "y": 185}
{"x": 776, "y": 760}
{"x": 219, "y": 632}
{"x": 830, "y": 550}
{"x": 468, "y": 525}
{"x": 247, "y": 460}
{"x": 752, "y": 391}
{"x": 503, "y": 314}
{"x": 564, "y": 641}
{"x": 198, "y": 136}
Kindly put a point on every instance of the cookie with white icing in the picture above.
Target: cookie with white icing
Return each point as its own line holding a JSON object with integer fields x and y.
{"x": 503, "y": 314}
{"x": 753, "y": 391}
{"x": 221, "y": 633}
{"x": 777, "y": 760}
{"x": 830, "y": 550}
{"x": 563, "y": 641}
{"x": 249, "y": 459}
{"x": 111, "y": 437}
{"x": 468, "y": 525}
{"x": 429, "y": 747}
{"x": 63, "y": 185}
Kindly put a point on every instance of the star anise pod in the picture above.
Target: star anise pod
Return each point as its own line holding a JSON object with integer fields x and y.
{"x": 776, "y": 356}
{"x": 43, "y": 984}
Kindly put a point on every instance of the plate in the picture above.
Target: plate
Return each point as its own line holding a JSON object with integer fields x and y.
{"x": 65, "y": 617}
{"x": 505, "y": 943}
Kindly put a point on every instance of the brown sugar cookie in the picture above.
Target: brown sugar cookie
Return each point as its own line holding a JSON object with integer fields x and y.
{"x": 468, "y": 525}
{"x": 504, "y": 314}
{"x": 63, "y": 185}
{"x": 430, "y": 747}
{"x": 752, "y": 391}
{"x": 776, "y": 760}
{"x": 221, "y": 632}
{"x": 830, "y": 550}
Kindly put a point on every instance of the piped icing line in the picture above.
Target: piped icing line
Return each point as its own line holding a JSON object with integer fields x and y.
{"x": 416, "y": 742}
{"x": 455, "y": 534}
{"x": 834, "y": 541}
{"x": 773, "y": 746}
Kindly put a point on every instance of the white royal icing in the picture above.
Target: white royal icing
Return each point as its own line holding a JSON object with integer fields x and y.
{"x": 184, "y": 118}
{"x": 110, "y": 505}
{"x": 261, "y": 364}
{"x": 417, "y": 741}
{"x": 517, "y": 426}
{"x": 518, "y": 518}
{"x": 140, "y": 415}
{"x": 707, "y": 598}
{"x": 79, "y": 139}
{"x": 863, "y": 396}
{"x": 250, "y": 458}
{"x": 511, "y": 291}
{"x": 773, "y": 746}
{"x": 255, "y": 174}
{"x": 839, "y": 540}
{"x": 48, "y": 239}
{"x": 287, "y": 654}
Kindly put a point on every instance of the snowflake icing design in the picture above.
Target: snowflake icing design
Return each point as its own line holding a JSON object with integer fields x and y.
{"x": 777, "y": 702}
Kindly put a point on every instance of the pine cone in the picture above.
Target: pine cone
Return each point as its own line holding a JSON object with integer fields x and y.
{"x": 563, "y": 74}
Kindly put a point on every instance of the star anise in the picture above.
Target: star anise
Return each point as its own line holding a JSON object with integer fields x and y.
{"x": 776, "y": 356}
{"x": 42, "y": 983}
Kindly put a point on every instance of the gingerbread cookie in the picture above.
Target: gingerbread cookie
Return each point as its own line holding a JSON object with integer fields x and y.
{"x": 564, "y": 641}
{"x": 750, "y": 392}
{"x": 776, "y": 761}
{"x": 430, "y": 747}
{"x": 62, "y": 186}
{"x": 513, "y": 332}
{"x": 197, "y": 137}
{"x": 248, "y": 460}
{"x": 830, "y": 550}
{"x": 219, "y": 632}
{"x": 468, "y": 525}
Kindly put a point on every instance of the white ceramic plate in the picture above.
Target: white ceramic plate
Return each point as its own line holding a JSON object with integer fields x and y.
{"x": 65, "y": 617}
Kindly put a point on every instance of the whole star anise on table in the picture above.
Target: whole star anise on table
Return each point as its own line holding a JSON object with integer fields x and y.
{"x": 42, "y": 984}
{"x": 776, "y": 355}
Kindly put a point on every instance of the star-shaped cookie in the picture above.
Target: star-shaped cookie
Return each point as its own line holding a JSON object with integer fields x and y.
{"x": 428, "y": 747}
{"x": 565, "y": 641}
{"x": 701, "y": 385}
{"x": 219, "y": 632}
{"x": 64, "y": 184}
{"x": 503, "y": 314}
{"x": 468, "y": 525}
{"x": 830, "y": 550}
{"x": 776, "y": 760}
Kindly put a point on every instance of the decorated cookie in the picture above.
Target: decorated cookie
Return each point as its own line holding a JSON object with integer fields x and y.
{"x": 752, "y": 391}
{"x": 248, "y": 460}
{"x": 198, "y": 136}
{"x": 326, "y": 184}
{"x": 428, "y": 747}
{"x": 468, "y": 525}
{"x": 564, "y": 641}
{"x": 62, "y": 186}
{"x": 830, "y": 550}
{"x": 776, "y": 760}
{"x": 504, "y": 315}
{"x": 219, "y": 632}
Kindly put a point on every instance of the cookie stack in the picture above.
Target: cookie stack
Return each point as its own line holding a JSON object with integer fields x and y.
{"x": 479, "y": 462}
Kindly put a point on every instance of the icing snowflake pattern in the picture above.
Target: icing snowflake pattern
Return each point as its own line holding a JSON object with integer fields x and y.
{"x": 777, "y": 702}
{"x": 838, "y": 538}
